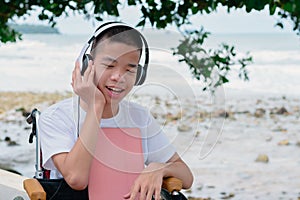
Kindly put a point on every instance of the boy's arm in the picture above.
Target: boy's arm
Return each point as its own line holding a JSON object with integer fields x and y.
{"x": 177, "y": 168}
{"x": 75, "y": 165}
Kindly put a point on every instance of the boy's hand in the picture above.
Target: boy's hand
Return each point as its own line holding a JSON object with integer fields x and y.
{"x": 148, "y": 183}
{"x": 84, "y": 86}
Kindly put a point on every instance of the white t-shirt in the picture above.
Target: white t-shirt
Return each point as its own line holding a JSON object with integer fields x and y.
{"x": 58, "y": 131}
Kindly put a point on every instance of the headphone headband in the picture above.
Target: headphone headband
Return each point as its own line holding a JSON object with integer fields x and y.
{"x": 108, "y": 26}
{"x": 141, "y": 76}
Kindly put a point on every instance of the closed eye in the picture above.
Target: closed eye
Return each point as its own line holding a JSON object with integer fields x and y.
{"x": 107, "y": 65}
{"x": 131, "y": 70}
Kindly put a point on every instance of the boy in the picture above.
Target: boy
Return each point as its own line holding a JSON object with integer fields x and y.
{"x": 109, "y": 77}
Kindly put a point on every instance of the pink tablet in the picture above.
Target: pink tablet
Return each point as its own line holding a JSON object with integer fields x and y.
{"x": 117, "y": 163}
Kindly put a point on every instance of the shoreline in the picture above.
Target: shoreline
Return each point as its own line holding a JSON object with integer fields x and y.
{"x": 10, "y": 100}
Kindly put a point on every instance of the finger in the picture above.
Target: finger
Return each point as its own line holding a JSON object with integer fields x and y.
{"x": 77, "y": 65}
{"x": 74, "y": 73}
{"x": 149, "y": 195}
{"x": 77, "y": 77}
{"x": 157, "y": 193}
{"x": 73, "y": 77}
{"x": 133, "y": 193}
{"x": 143, "y": 193}
{"x": 92, "y": 73}
{"x": 126, "y": 196}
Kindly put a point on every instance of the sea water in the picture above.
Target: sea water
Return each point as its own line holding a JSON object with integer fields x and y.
{"x": 44, "y": 62}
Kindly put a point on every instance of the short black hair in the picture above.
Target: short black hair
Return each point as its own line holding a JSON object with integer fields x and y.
{"x": 121, "y": 34}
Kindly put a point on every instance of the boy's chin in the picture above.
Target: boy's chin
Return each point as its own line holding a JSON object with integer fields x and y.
{"x": 113, "y": 99}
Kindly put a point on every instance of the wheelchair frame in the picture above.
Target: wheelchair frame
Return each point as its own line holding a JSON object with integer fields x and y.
{"x": 170, "y": 189}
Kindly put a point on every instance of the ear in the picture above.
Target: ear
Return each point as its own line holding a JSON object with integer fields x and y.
{"x": 85, "y": 62}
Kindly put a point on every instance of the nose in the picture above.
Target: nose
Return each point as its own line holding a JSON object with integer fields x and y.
{"x": 118, "y": 75}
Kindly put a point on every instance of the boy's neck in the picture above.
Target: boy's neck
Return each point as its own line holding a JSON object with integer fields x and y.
{"x": 110, "y": 111}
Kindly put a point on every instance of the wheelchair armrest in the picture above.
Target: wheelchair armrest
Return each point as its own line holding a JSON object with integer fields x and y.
{"x": 36, "y": 192}
{"x": 172, "y": 184}
{"x": 34, "y": 189}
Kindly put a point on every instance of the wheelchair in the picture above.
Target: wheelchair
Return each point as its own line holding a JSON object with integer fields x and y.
{"x": 41, "y": 187}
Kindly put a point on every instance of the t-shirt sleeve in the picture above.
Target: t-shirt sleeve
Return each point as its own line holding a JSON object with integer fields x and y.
{"x": 158, "y": 144}
{"x": 56, "y": 136}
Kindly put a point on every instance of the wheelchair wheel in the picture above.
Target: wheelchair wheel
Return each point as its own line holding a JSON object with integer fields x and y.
{"x": 165, "y": 195}
{"x": 179, "y": 196}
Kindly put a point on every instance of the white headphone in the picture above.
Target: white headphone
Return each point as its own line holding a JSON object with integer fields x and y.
{"x": 83, "y": 58}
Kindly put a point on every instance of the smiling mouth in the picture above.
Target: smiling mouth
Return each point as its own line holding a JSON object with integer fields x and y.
{"x": 115, "y": 90}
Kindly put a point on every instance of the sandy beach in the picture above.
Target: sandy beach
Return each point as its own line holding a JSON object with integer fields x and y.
{"x": 249, "y": 149}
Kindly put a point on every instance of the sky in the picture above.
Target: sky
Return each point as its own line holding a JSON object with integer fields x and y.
{"x": 237, "y": 21}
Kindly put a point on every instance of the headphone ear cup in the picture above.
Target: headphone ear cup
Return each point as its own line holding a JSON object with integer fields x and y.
{"x": 140, "y": 76}
{"x": 85, "y": 62}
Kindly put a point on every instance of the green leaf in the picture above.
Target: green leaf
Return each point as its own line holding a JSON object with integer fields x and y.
{"x": 131, "y": 2}
{"x": 272, "y": 8}
{"x": 98, "y": 18}
{"x": 280, "y": 24}
{"x": 224, "y": 79}
{"x": 43, "y": 16}
{"x": 141, "y": 23}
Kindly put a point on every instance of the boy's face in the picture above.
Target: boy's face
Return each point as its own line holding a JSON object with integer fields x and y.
{"x": 116, "y": 68}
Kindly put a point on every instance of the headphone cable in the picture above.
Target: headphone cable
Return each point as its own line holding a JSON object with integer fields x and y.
{"x": 78, "y": 115}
